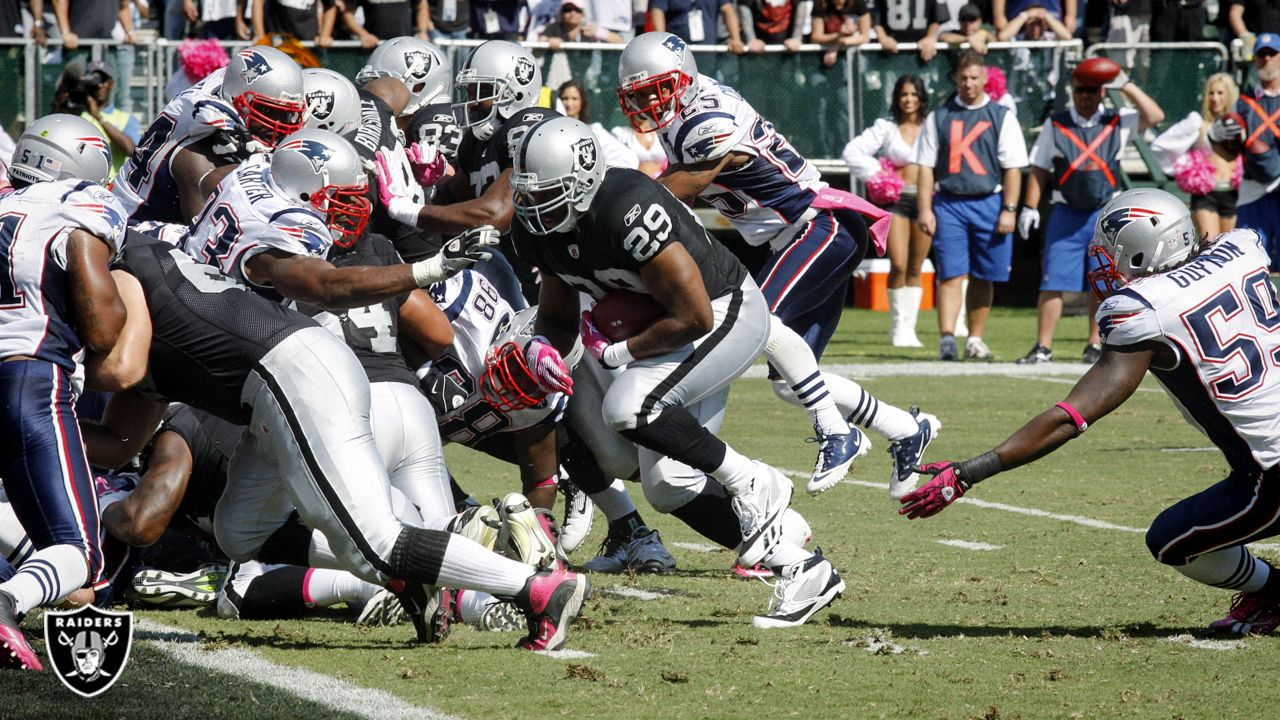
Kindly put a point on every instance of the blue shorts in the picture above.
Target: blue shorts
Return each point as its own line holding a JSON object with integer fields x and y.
{"x": 966, "y": 242}
{"x": 805, "y": 283}
{"x": 42, "y": 461}
{"x": 1263, "y": 215}
{"x": 1066, "y": 245}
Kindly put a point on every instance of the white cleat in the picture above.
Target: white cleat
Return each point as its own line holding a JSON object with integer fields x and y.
{"x": 760, "y": 509}
{"x": 805, "y": 588}
{"x": 521, "y": 536}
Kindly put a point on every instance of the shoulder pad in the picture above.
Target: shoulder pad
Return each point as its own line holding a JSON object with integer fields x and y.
{"x": 95, "y": 209}
{"x": 1127, "y": 318}
{"x": 706, "y": 136}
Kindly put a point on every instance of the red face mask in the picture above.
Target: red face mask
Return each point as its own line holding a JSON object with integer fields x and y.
{"x": 346, "y": 211}
{"x": 1102, "y": 276}
{"x": 269, "y": 120}
{"x": 652, "y": 104}
{"x": 508, "y": 384}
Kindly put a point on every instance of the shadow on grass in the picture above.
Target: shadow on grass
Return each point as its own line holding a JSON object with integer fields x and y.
{"x": 928, "y": 631}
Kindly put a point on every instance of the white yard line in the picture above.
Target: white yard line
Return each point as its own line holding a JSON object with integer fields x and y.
{"x": 634, "y": 593}
{"x": 700, "y": 547}
{"x": 969, "y": 545}
{"x": 310, "y": 686}
{"x": 941, "y": 369}
{"x": 566, "y": 654}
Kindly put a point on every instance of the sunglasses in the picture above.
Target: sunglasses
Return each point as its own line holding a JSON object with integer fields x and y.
{"x": 567, "y": 10}
{"x": 1087, "y": 90}
{"x": 1267, "y": 54}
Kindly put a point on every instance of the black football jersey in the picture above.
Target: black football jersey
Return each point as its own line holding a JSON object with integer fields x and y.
{"x": 377, "y": 128}
{"x": 208, "y": 331}
{"x": 437, "y": 125}
{"x": 211, "y": 442}
{"x": 632, "y": 218}
{"x": 482, "y": 161}
{"x": 371, "y": 332}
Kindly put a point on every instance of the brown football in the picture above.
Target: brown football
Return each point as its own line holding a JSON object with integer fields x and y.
{"x": 1095, "y": 72}
{"x": 622, "y": 314}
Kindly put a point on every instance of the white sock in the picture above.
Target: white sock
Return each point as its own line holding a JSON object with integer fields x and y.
{"x": 320, "y": 554}
{"x": 1233, "y": 568}
{"x": 793, "y": 359}
{"x": 736, "y": 472}
{"x": 614, "y": 501}
{"x": 467, "y": 564}
{"x": 862, "y": 408}
{"x": 48, "y": 576}
{"x": 785, "y": 554}
{"x": 472, "y": 604}
{"x": 323, "y": 587}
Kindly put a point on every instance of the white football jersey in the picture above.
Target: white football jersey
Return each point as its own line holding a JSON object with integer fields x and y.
{"x": 36, "y": 314}
{"x": 247, "y": 215}
{"x": 482, "y": 319}
{"x": 145, "y": 184}
{"x": 767, "y": 199}
{"x": 1220, "y": 316}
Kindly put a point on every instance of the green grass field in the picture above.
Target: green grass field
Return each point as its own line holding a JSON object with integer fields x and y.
{"x": 1057, "y": 619}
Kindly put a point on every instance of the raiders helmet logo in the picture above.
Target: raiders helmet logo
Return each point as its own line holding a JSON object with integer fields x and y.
{"x": 584, "y": 154}
{"x": 88, "y": 648}
{"x": 524, "y": 70}
{"x": 320, "y": 104}
{"x": 316, "y": 152}
{"x": 417, "y": 63}
{"x": 255, "y": 66}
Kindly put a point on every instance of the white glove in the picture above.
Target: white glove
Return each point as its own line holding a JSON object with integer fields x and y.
{"x": 458, "y": 254}
{"x": 1121, "y": 80}
{"x": 1028, "y": 220}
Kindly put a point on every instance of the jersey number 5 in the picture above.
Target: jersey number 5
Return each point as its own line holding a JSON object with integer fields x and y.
{"x": 1204, "y": 323}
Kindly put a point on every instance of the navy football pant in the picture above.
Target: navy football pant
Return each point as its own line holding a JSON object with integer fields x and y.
{"x": 1243, "y": 508}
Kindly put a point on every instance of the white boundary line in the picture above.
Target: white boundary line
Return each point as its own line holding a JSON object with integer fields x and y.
{"x": 940, "y": 369}
{"x": 313, "y": 687}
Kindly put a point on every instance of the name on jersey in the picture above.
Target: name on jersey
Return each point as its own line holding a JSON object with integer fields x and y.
{"x": 254, "y": 183}
{"x": 370, "y": 133}
{"x": 1222, "y": 253}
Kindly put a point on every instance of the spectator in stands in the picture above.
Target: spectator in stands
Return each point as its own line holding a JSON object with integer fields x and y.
{"x": 449, "y": 19}
{"x": 840, "y": 24}
{"x": 1248, "y": 18}
{"x": 899, "y": 21}
{"x": 969, "y": 30}
{"x": 196, "y": 59}
{"x": 177, "y": 13}
{"x": 224, "y": 19}
{"x": 881, "y": 157}
{"x": 616, "y": 16}
{"x": 974, "y": 150}
{"x": 384, "y": 19}
{"x": 573, "y": 27}
{"x": 1035, "y": 23}
{"x": 695, "y": 21}
{"x": 1259, "y": 203}
{"x": 11, "y": 21}
{"x": 1203, "y": 154}
{"x": 303, "y": 19}
{"x": 769, "y": 22}
{"x": 496, "y": 19}
{"x": 92, "y": 20}
{"x": 86, "y": 90}
{"x": 1178, "y": 20}
{"x": 573, "y": 103}
{"x": 1064, "y": 11}
{"x": 1077, "y": 155}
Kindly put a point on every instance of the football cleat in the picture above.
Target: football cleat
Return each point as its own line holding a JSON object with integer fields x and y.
{"x": 836, "y": 454}
{"x": 975, "y": 349}
{"x": 14, "y": 650}
{"x": 1038, "y": 354}
{"x": 381, "y": 610}
{"x": 947, "y": 349}
{"x": 1250, "y": 614}
{"x": 551, "y": 600}
{"x": 522, "y": 535}
{"x": 1092, "y": 354}
{"x": 647, "y": 554}
{"x": 613, "y": 556}
{"x": 479, "y": 523}
{"x": 501, "y": 616}
{"x": 805, "y": 588}
{"x": 429, "y": 609}
{"x": 578, "y": 512}
{"x": 759, "y": 508}
{"x": 164, "y": 589}
{"x": 908, "y": 452}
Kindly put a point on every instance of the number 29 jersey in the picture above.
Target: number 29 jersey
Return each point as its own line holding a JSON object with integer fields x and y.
{"x": 1220, "y": 316}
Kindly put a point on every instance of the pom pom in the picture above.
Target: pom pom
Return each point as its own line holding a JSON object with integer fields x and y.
{"x": 1238, "y": 173}
{"x": 201, "y": 57}
{"x": 885, "y": 187}
{"x": 1194, "y": 173}
{"x": 997, "y": 83}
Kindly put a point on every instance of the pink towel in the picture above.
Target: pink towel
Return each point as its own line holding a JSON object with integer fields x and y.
{"x": 877, "y": 219}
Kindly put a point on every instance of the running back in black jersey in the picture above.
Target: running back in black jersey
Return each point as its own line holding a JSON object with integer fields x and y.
{"x": 208, "y": 332}
{"x": 632, "y": 218}
{"x": 371, "y": 332}
{"x": 211, "y": 442}
{"x": 377, "y": 128}
{"x": 480, "y": 162}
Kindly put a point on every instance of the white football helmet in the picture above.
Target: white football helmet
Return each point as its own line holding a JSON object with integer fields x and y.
{"x": 61, "y": 147}
{"x": 265, "y": 86}
{"x": 323, "y": 170}
{"x": 657, "y": 76}
{"x": 333, "y": 103}
{"x": 558, "y": 169}
{"x": 1139, "y": 232}
{"x": 418, "y": 64}
{"x": 498, "y": 79}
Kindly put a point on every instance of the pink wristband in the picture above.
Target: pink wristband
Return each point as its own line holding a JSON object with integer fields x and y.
{"x": 1076, "y": 417}
{"x": 551, "y": 481}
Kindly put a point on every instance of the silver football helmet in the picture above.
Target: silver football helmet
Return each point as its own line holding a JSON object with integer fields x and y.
{"x": 323, "y": 170}
{"x": 498, "y": 79}
{"x": 418, "y": 64}
{"x": 265, "y": 86}
{"x": 657, "y": 76}
{"x": 61, "y": 147}
{"x": 558, "y": 169}
{"x": 1139, "y": 232}
{"x": 332, "y": 101}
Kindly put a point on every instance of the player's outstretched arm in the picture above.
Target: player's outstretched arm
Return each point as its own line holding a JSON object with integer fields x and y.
{"x": 96, "y": 303}
{"x": 687, "y": 181}
{"x": 424, "y": 325}
{"x": 1105, "y": 387}
{"x": 142, "y": 517}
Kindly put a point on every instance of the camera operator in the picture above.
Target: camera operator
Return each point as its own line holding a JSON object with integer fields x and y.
{"x": 88, "y": 93}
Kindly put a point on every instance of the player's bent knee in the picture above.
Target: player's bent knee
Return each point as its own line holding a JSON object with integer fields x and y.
{"x": 620, "y": 414}
{"x": 1158, "y": 539}
{"x": 667, "y": 498}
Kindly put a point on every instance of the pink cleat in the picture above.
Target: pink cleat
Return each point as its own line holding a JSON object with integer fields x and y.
{"x": 14, "y": 650}
{"x": 1250, "y": 614}
{"x": 551, "y": 600}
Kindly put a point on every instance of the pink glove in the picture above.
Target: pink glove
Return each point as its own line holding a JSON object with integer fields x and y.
{"x": 930, "y": 499}
{"x": 593, "y": 340}
{"x": 548, "y": 367}
{"x": 427, "y": 161}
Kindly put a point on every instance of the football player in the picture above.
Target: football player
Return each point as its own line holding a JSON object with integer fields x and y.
{"x": 721, "y": 150}
{"x": 246, "y": 107}
{"x": 592, "y": 231}
{"x": 1167, "y": 304}
{"x": 59, "y": 231}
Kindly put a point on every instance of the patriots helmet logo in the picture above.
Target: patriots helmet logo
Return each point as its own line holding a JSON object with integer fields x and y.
{"x": 320, "y": 104}
{"x": 675, "y": 45}
{"x": 1117, "y": 220}
{"x": 584, "y": 154}
{"x": 524, "y": 70}
{"x": 255, "y": 66}
{"x": 97, "y": 142}
{"x": 316, "y": 152}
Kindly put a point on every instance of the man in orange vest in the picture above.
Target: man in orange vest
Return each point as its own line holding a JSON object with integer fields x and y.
{"x": 1077, "y": 156}
{"x": 1258, "y": 207}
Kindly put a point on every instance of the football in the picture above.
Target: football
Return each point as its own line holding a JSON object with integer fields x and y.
{"x": 1095, "y": 71}
{"x": 623, "y": 314}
